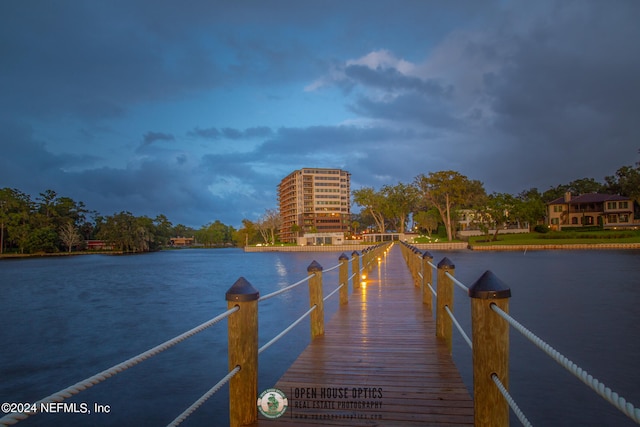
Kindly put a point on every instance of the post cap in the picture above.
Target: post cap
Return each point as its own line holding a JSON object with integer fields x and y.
{"x": 343, "y": 257}
{"x": 314, "y": 266}
{"x": 426, "y": 254}
{"x": 242, "y": 291}
{"x": 355, "y": 253}
{"x": 488, "y": 286}
{"x": 446, "y": 264}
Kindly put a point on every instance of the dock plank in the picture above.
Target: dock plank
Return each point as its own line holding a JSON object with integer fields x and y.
{"x": 378, "y": 363}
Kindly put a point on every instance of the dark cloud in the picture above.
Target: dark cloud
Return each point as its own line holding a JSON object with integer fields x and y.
{"x": 208, "y": 133}
{"x": 409, "y": 107}
{"x": 232, "y": 133}
{"x": 390, "y": 79}
{"x": 516, "y": 94}
{"x": 151, "y": 137}
{"x": 567, "y": 97}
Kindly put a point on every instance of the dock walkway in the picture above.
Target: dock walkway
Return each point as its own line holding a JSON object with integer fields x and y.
{"x": 378, "y": 363}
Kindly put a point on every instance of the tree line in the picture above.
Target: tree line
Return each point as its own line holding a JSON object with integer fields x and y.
{"x": 437, "y": 198}
{"x": 53, "y": 223}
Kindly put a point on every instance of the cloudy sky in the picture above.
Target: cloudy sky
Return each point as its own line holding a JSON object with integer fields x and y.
{"x": 197, "y": 109}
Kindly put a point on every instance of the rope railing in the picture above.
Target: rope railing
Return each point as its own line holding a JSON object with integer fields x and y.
{"x": 489, "y": 292}
{"x": 15, "y": 417}
{"x": 512, "y": 403}
{"x": 191, "y": 409}
{"x": 286, "y": 330}
{"x": 457, "y": 282}
{"x": 333, "y": 292}
{"x": 283, "y": 290}
{"x": 244, "y": 331}
{"x": 486, "y": 404}
{"x": 326, "y": 270}
{"x": 241, "y": 297}
{"x": 459, "y": 327}
{"x": 600, "y": 388}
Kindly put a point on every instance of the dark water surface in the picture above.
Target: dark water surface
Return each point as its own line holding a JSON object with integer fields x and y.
{"x": 68, "y": 318}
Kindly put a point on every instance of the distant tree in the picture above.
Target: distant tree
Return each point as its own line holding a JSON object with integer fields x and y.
{"x": 144, "y": 235}
{"x": 182, "y": 230}
{"x": 215, "y": 234}
{"x": 42, "y": 239}
{"x": 530, "y": 207}
{"x": 163, "y": 230}
{"x": 448, "y": 191}
{"x": 46, "y": 203}
{"x": 364, "y": 221}
{"x": 247, "y": 235}
{"x": 66, "y": 209}
{"x": 17, "y": 215}
{"x": 296, "y": 229}
{"x": 427, "y": 220}
{"x": 268, "y": 225}
{"x": 576, "y": 187}
{"x": 495, "y": 211}
{"x": 374, "y": 202}
{"x": 585, "y": 186}
{"x": 70, "y": 236}
{"x": 119, "y": 231}
{"x": 355, "y": 226}
{"x": 401, "y": 200}
{"x": 625, "y": 182}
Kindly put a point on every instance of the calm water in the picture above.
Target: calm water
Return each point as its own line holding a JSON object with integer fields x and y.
{"x": 68, "y": 318}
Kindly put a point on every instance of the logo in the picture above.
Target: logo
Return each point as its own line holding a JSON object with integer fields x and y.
{"x": 272, "y": 403}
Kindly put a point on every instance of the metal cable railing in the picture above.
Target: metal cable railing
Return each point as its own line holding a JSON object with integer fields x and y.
{"x": 15, "y": 417}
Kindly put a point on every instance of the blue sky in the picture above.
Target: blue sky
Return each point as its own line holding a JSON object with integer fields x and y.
{"x": 197, "y": 109}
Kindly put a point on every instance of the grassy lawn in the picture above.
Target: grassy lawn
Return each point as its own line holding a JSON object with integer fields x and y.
{"x": 560, "y": 238}
{"x": 433, "y": 239}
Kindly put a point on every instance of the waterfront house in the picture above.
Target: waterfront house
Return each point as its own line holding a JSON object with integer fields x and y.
{"x": 609, "y": 211}
{"x": 181, "y": 241}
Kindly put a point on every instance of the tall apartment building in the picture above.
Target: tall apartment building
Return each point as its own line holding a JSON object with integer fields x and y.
{"x": 314, "y": 200}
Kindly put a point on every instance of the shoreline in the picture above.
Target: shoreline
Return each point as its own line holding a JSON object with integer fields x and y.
{"x": 572, "y": 246}
{"x": 348, "y": 249}
{"x": 452, "y": 246}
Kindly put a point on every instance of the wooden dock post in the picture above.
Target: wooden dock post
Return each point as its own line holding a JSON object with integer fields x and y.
{"x": 343, "y": 278}
{"x": 427, "y": 279}
{"x": 490, "y": 349}
{"x": 355, "y": 268}
{"x": 243, "y": 352}
{"x": 316, "y": 298}
{"x": 414, "y": 265}
{"x": 444, "y": 324}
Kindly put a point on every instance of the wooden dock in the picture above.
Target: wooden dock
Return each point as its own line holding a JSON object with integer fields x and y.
{"x": 378, "y": 363}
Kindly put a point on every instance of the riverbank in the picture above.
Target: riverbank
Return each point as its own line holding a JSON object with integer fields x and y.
{"x": 348, "y": 249}
{"x": 57, "y": 254}
{"x": 452, "y": 246}
{"x": 573, "y": 246}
